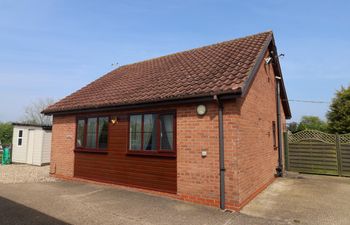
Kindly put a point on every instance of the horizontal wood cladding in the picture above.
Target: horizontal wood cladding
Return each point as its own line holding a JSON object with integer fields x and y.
{"x": 116, "y": 166}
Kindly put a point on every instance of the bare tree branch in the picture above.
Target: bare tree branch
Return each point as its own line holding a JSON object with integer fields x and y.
{"x": 33, "y": 115}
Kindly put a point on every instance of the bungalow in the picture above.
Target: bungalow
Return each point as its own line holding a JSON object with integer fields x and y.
{"x": 203, "y": 125}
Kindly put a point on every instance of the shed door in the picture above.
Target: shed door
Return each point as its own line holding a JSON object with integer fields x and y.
{"x": 30, "y": 147}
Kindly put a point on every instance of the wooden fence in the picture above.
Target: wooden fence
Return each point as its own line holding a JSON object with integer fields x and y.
{"x": 311, "y": 151}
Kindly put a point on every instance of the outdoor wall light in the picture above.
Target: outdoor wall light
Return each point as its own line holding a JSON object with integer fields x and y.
{"x": 201, "y": 110}
{"x": 114, "y": 119}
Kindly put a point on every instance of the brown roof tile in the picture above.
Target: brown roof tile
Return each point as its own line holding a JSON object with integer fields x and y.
{"x": 214, "y": 69}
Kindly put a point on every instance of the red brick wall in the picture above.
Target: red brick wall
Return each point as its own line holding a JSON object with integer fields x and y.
{"x": 250, "y": 155}
{"x": 257, "y": 157}
{"x": 231, "y": 144}
{"x": 63, "y": 143}
{"x": 198, "y": 177}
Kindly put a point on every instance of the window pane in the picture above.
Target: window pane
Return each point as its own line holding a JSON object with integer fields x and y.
{"x": 166, "y": 132}
{"x": 19, "y": 142}
{"x": 135, "y": 123}
{"x": 135, "y": 132}
{"x": 20, "y": 133}
{"x": 91, "y": 133}
{"x": 102, "y": 132}
{"x": 80, "y": 133}
{"x": 150, "y": 132}
{"x": 135, "y": 141}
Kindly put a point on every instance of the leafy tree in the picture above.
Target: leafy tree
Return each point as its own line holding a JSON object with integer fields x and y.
{"x": 339, "y": 112}
{"x": 6, "y": 133}
{"x": 312, "y": 123}
{"x": 293, "y": 127}
{"x": 33, "y": 115}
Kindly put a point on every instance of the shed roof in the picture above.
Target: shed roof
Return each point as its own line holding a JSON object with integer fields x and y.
{"x": 44, "y": 127}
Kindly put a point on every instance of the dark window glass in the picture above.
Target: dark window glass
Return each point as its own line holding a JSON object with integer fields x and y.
{"x": 20, "y": 136}
{"x": 102, "y": 132}
{"x": 91, "y": 133}
{"x": 166, "y": 132}
{"x": 80, "y": 133}
{"x": 135, "y": 132}
{"x": 150, "y": 132}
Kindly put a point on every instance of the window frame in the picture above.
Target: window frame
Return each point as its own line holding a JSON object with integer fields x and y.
{"x": 83, "y": 148}
{"x": 158, "y": 151}
{"x": 20, "y": 138}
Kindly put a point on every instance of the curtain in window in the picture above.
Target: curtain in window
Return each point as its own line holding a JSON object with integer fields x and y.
{"x": 166, "y": 133}
{"x": 150, "y": 132}
{"x": 102, "y": 132}
{"x": 91, "y": 133}
{"x": 80, "y": 133}
{"x": 135, "y": 132}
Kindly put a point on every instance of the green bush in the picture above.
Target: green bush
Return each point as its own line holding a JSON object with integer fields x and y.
{"x": 339, "y": 112}
{"x": 6, "y": 130}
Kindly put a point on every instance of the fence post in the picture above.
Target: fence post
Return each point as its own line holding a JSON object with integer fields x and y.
{"x": 286, "y": 150}
{"x": 339, "y": 155}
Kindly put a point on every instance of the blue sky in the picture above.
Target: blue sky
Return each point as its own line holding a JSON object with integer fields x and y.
{"x": 52, "y": 48}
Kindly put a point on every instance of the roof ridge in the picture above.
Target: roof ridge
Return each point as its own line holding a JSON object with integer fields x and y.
{"x": 193, "y": 49}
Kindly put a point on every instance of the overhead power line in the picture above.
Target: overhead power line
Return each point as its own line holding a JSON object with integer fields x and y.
{"x": 308, "y": 101}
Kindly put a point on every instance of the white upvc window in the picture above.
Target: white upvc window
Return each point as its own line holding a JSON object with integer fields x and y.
{"x": 20, "y": 138}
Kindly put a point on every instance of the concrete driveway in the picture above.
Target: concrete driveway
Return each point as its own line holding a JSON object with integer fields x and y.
{"x": 311, "y": 200}
{"x": 304, "y": 199}
{"x": 65, "y": 202}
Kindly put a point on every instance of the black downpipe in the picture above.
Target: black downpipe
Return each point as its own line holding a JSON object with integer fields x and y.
{"x": 279, "y": 169}
{"x": 221, "y": 153}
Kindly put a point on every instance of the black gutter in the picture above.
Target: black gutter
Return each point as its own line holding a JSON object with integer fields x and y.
{"x": 279, "y": 168}
{"x": 147, "y": 104}
{"x": 221, "y": 152}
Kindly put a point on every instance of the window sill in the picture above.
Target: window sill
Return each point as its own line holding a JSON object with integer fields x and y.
{"x": 91, "y": 151}
{"x": 152, "y": 154}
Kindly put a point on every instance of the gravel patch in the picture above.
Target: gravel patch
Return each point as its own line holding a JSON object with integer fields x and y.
{"x": 16, "y": 173}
